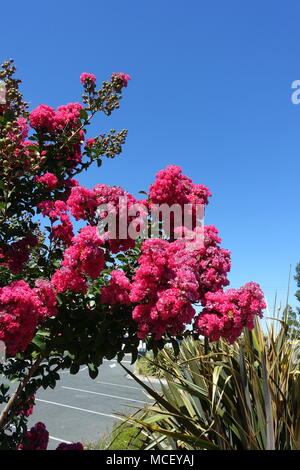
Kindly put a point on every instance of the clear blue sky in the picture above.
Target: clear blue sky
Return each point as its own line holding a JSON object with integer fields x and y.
{"x": 210, "y": 91}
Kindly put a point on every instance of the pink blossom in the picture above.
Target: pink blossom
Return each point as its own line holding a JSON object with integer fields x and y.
{"x": 42, "y": 118}
{"x": 67, "y": 115}
{"x": 166, "y": 283}
{"x": 63, "y": 231}
{"x": 172, "y": 187}
{"x": 119, "y": 202}
{"x": 57, "y": 210}
{"x": 87, "y": 78}
{"x": 19, "y": 315}
{"x": 117, "y": 289}
{"x": 65, "y": 279}
{"x": 85, "y": 254}
{"x": 123, "y": 77}
{"x": 84, "y": 257}
{"x": 74, "y": 155}
{"x": 36, "y": 439}
{"x": 70, "y": 183}
{"x": 82, "y": 203}
{"x": 225, "y": 314}
{"x": 72, "y": 446}
{"x": 17, "y": 253}
{"x": 90, "y": 142}
{"x": 47, "y": 295}
{"x": 28, "y": 406}
{"x": 171, "y": 277}
{"x": 49, "y": 179}
{"x": 48, "y": 208}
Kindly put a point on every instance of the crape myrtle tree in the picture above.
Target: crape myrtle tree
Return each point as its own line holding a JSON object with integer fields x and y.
{"x": 291, "y": 315}
{"x": 72, "y": 298}
{"x": 297, "y": 279}
{"x": 293, "y": 319}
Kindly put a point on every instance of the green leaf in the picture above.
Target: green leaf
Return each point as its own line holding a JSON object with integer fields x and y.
{"x": 175, "y": 346}
{"x": 74, "y": 369}
{"x": 83, "y": 114}
{"x": 134, "y": 356}
{"x": 93, "y": 371}
{"x": 39, "y": 342}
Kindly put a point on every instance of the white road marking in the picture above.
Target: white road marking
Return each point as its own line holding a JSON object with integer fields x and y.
{"x": 51, "y": 437}
{"x": 112, "y": 365}
{"x": 59, "y": 440}
{"x": 66, "y": 371}
{"x": 103, "y": 394}
{"x": 117, "y": 385}
{"x": 79, "y": 409}
{"x": 115, "y": 360}
{"x": 84, "y": 368}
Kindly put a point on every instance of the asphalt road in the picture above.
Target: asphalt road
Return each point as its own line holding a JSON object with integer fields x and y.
{"x": 82, "y": 409}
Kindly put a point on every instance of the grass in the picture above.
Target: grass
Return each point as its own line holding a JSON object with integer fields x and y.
{"x": 149, "y": 366}
{"x": 124, "y": 436}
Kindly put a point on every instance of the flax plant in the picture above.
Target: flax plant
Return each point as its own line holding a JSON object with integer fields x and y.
{"x": 244, "y": 396}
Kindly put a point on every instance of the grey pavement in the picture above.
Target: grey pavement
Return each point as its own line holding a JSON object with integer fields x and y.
{"x": 82, "y": 409}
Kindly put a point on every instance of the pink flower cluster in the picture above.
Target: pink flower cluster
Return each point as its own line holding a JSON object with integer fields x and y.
{"x": 16, "y": 255}
{"x": 172, "y": 187}
{"x": 87, "y": 78}
{"x": 37, "y": 438}
{"x": 226, "y": 313}
{"x": 49, "y": 179}
{"x": 120, "y": 203}
{"x": 83, "y": 204}
{"x": 171, "y": 277}
{"x": 85, "y": 257}
{"x": 70, "y": 183}
{"x": 47, "y": 296}
{"x": 18, "y": 316}
{"x": 123, "y": 77}
{"x": 67, "y": 115}
{"x": 42, "y": 117}
{"x": 90, "y": 142}
{"x": 21, "y": 309}
{"x": 52, "y": 209}
{"x": 65, "y": 279}
{"x": 213, "y": 262}
{"x": 47, "y": 119}
{"x": 58, "y": 210}
{"x": 63, "y": 231}
{"x": 72, "y": 446}
{"x": 27, "y": 408}
{"x": 86, "y": 253}
{"x": 117, "y": 289}
{"x": 164, "y": 285}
